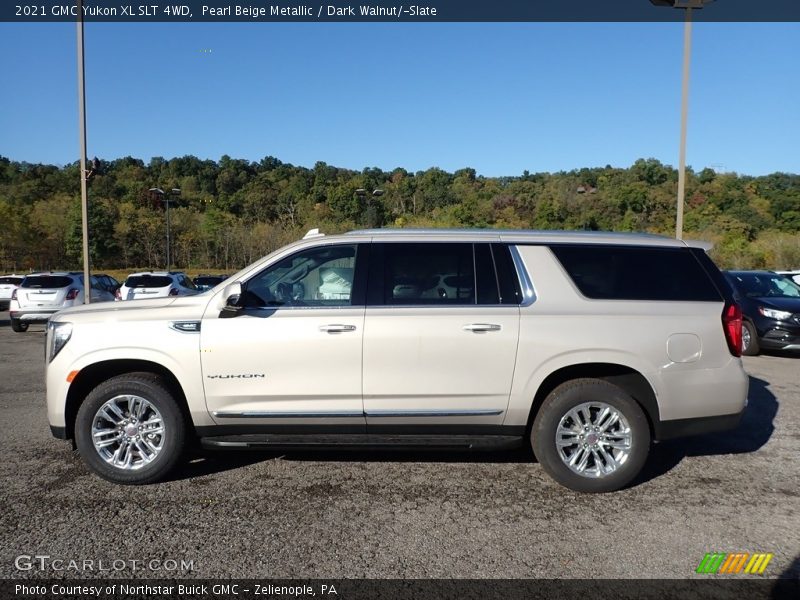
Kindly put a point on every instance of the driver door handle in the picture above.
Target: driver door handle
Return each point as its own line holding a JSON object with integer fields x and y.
{"x": 481, "y": 327}
{"x": 336, "y": 328}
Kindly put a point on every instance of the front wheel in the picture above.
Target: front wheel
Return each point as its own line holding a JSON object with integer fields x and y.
{"x": 130, "y": 429}
{"x": 18, "y": 326}
{"x": 591, "y": 436}
{"x": 749, "y": 339}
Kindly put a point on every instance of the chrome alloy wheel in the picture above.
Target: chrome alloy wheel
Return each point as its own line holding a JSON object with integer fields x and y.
{"x": 128, "y": 432}
{"x": 593, "y": 439}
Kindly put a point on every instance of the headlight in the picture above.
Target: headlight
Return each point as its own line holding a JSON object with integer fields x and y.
{"x": 58, "y": 334}
{"x": 781, "y": 315}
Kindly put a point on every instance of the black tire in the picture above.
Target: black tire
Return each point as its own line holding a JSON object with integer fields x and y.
{"x": 151, "y": 388}
{"x": 753, "y": 348}
{"x": 570, "y": 395}
{"x": 18, "y": 326}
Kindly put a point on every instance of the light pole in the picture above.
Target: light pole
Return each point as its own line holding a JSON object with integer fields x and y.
{"x": 87, "y": 298}
{"x": 687, "y": 6}
{"x": 362, "y": 193}
{"x": 165, "y": 199}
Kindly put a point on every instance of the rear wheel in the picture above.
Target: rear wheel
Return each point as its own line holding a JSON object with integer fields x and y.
{"x": 750, "y": 345}
{"x": 130, "y": 429}
{"x": 591, "y": 436}
{"x": 18, "y": 326}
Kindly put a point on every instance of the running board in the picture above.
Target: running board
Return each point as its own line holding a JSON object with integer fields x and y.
{"x": 360, "y": 440}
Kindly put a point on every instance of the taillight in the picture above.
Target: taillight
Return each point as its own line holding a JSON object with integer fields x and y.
{"x": 14, "y": 294}
{"x": 732, "y": 326}
{"x": 173, "y": 291}
{"x": 117, "y": 295}
{"x": 72, "y": 294}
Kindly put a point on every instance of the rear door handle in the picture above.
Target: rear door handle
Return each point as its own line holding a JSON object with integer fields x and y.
{"x": 336, "y": 328}
{"x": 481, "y": 327}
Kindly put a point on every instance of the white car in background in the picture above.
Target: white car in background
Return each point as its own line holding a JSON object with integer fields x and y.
{"x": 156, "y": 284}
{"x": 41, "y": 295}
{"x": 8, "y": 283}
{"x": 793, "y": 275}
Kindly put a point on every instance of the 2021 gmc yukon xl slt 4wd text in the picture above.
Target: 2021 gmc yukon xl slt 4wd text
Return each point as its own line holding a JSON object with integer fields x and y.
{"x": 591, "y": 345}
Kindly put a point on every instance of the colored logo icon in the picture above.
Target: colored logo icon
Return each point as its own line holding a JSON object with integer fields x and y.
{"x": 734, "y": 563}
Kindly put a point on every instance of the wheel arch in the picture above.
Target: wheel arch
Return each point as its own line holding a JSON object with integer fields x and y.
{"x": 92, "y": 375}
{"x": 628, "y": 379}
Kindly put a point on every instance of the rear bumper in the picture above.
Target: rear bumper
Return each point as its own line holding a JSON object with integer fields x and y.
{"x": 667, "y": 430}
{"x": 34, "y": 316}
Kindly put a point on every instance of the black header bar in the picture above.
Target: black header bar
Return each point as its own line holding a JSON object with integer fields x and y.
{"x": 332, "y": 11}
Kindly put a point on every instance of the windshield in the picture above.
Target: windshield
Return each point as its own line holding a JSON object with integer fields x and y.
{"x": 11, "y": 280}
{"x": 765, "y": 285}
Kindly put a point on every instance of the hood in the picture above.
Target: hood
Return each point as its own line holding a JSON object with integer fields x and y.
{"x": 788, "y": 304}
{"x": 188, "y": 306}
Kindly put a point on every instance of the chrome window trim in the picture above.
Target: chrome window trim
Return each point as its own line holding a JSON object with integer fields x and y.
{"x": 442, "y": 306}
{"x": 528, "y": 293}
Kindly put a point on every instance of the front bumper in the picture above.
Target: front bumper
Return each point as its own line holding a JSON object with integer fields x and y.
{"x": 778, "y": 335}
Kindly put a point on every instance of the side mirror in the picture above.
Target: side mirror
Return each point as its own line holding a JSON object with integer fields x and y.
{"x": 231, "y": 296}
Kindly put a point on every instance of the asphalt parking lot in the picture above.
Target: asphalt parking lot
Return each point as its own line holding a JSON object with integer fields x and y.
{"x": 402, "y": 514}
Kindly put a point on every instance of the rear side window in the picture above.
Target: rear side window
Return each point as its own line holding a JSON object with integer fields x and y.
{"x": 10, "y": 280}
{"x": 608, "y": 272}
{"x": 46, "y": 281}
{"x": 428, "y": 274}
{"x": 148, "y": 281}
{"x": 441, "y": 274}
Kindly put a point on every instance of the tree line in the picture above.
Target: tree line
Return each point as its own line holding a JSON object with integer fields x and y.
{"x": 232, "y": 211}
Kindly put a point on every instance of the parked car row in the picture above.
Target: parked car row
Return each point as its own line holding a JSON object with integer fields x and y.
{"x": 770, "y": 300}
{"x": 34, "y": 298}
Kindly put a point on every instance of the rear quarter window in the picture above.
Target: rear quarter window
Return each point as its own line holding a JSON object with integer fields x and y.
{"x": 46, "y": 282}
{"x": 148, "y": 281}
{"x": 609, "y": 272}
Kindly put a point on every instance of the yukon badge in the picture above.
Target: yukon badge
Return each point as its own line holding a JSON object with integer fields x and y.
{"x": 239, "y": 376}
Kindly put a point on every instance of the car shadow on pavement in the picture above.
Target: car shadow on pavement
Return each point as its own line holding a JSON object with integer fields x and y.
{"x": 788, "y": 583}
{"x": 753, "y": 432}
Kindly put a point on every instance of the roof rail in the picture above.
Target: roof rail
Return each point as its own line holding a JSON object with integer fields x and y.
{"x": 313, "y": 233}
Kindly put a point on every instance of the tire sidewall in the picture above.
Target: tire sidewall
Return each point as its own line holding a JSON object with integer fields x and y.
{"x": 753, "y": 347}
{"x": 572, "y": 394}
{"x": 174, "y": 429}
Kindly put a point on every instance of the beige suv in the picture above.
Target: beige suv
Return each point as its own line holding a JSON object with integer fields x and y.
{"x": 591, "y": 345}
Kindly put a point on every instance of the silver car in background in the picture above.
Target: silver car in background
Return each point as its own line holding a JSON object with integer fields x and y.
{"x": 156, "y": 284}
{"x": 41, "y": 295}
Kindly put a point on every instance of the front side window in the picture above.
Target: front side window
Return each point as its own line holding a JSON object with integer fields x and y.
{"x": 322, "y": 276}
